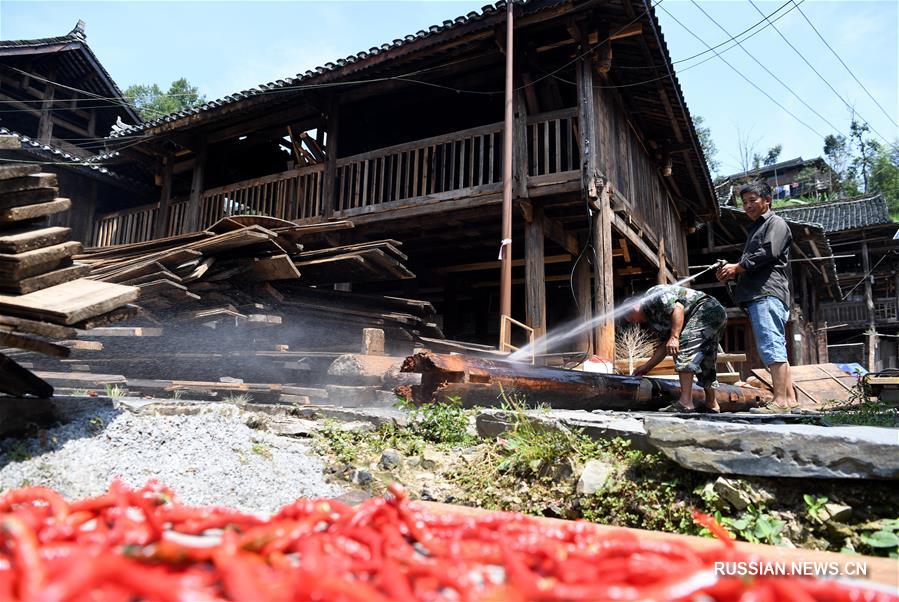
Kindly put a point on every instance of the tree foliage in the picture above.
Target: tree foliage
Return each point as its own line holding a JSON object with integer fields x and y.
{"x": 708, "y": 145}
{"x": 151, "y": 102}
{"x": 864, "y": 165}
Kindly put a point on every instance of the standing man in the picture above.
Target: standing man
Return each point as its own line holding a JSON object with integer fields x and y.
{"x": 763, "y": 285}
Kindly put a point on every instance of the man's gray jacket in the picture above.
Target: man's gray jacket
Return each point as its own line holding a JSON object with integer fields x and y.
{"x": 766, "y": 259}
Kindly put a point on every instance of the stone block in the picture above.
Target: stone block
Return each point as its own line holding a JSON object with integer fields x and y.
{"x": 778, "y": 450}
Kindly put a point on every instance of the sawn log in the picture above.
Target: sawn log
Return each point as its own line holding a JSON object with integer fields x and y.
{"x": 475, "y": 381}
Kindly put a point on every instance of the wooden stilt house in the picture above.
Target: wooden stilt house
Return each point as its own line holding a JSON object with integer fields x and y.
{"x": 405, "y": 140}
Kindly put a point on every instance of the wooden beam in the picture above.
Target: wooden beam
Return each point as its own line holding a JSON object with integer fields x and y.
{"x": 584, "y": 300}
{"x": 45, "y": 124}
{"x": 328, "y": 189}
{"x": 492, "y": 265}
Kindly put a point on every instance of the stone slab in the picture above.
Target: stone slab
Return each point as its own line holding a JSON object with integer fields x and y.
{"x": 493, "y": 422}
{"x": 778, "y": 450}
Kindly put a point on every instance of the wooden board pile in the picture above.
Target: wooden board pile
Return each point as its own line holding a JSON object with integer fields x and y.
{"x": 42, "y": 291}
{"x": 240, "y": 300}
{"x": 246, "y": 249}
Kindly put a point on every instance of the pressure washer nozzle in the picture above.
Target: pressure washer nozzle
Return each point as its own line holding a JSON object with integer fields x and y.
{"x": 720, "y": 264}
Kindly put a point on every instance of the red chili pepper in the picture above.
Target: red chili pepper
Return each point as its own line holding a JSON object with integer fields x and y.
{"x": 712, "y": 525}
{"x": 27, "y": 564}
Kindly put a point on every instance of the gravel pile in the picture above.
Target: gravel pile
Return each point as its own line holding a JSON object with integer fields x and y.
{"x": 210, "y": 458}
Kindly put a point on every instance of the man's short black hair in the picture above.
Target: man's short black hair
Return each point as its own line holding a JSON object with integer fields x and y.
{"x": 759, "y": 187}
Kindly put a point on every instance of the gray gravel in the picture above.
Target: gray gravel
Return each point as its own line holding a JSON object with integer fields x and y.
{"x": 207, "y": 458}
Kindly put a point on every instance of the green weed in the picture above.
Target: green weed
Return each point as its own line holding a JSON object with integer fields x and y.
{"x": 261, "y": 449}
{"x": 115, "y": 391}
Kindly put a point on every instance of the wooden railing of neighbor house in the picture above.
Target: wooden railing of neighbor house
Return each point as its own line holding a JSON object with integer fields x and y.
{"x": 136, "y": 224}
{"x": 856, "y": 312}
{"x": 290, "y": 195}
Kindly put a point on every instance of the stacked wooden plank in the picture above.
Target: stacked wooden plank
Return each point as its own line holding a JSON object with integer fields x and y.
{"x": 241, "y": 249}
{"x": 241, "y": 300}
{"x": 42, "y": 291}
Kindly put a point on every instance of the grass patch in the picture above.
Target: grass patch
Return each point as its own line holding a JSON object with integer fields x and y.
{"x": 861, "y": 409}
{"x": 261, "y": 449}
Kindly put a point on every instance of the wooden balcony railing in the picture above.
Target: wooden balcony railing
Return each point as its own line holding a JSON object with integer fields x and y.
{"x": 136, "y": 224}
{"x": 290, "y": 195}
{"x": 461, "y": 164}
{"x": 856, "y": 312}
{"x": 465, "y": 163}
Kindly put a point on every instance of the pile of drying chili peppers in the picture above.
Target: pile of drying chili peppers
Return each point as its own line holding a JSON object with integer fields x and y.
{"x": 142, "y": 544}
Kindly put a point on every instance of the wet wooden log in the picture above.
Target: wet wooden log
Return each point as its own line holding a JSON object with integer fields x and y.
{"x": 476, "y": 381}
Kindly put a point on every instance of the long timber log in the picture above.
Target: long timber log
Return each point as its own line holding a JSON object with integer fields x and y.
{"x": 476, "y": 381}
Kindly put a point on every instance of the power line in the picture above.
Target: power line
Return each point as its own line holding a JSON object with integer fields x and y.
{"x": 821, "y": 77}
{"x": 768, "y": 71}
{"x": 749, "y": 81}
{"x": 730, "y": 39}
{"x": 871, "y": 96}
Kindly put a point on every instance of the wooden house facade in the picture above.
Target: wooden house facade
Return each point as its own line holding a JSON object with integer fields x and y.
{"x": 862, "y": 325}
{"x": 405, "y": 140}
{"x": 61, "y": 104}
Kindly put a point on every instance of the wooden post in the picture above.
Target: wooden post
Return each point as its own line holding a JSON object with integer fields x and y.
{"x": 505, "y": 252}
{"x": 520, "y": 159}
{"x": 604, "y": 291}
{"x": 160, "y": 229}
{"x": 583, "y": 288}
{"x": 372, "y": 341}
{"x": 535, "y": 277}
{"x": 45, "y": 123}
{"x": 603, "y": 297}
{"x": 871, "y": 334}
{"x": 328, "y": 189}
{"x": 661, "y": 278}
{"x": 81, "y": 217}
{"x": 896, "y": 294}
{"x": 192, "y": 218}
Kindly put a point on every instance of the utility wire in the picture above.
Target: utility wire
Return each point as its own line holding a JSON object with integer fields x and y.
{"x": 768, "y": 71}
{"x": 749, "y": 81}
{"x": 821, "y": 77}
{"x": 730, "y": 39}
{"x": 823, "y": 39}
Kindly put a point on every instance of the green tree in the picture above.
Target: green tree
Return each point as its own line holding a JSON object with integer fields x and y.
{"x": 706, "y": 143}
{"x": 865, "y": 149}
{"x": 839, "y": 157}
{"x": 151, "y": 102}
{"x": 884, "y": 176}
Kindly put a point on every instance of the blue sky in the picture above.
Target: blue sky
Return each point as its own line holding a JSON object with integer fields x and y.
{"x": 228, "y": 46}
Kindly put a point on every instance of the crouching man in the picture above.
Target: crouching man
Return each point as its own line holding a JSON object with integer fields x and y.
{"x": 690, "y": 324}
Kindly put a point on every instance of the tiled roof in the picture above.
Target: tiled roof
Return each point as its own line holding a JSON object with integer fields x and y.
{"x": 847, "y": 214}
{"x": 56, "y": 156}
{"x": 75, "y": 40}
{"x": 306, "y": 78}
{"x": 643, "y": 95}
{"x": 808, "y": 236}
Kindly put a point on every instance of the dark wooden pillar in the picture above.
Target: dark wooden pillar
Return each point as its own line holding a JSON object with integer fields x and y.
{"x": 583, "y": 290}
{"x": 604, "y": 289}
{"x": 160, "y": 229}
{"x": 871, "y": 334}
{"x": 598, "y": 193}
{"x": 535, "y": 275}
{"x": 662, "y": 278}
{"x": 520, "y": 151}
{"x": 81, "y": 216}
{"x": 328, "y": 189}
{"x": 192, "y": 218}
{"x": 45, "y": 122}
